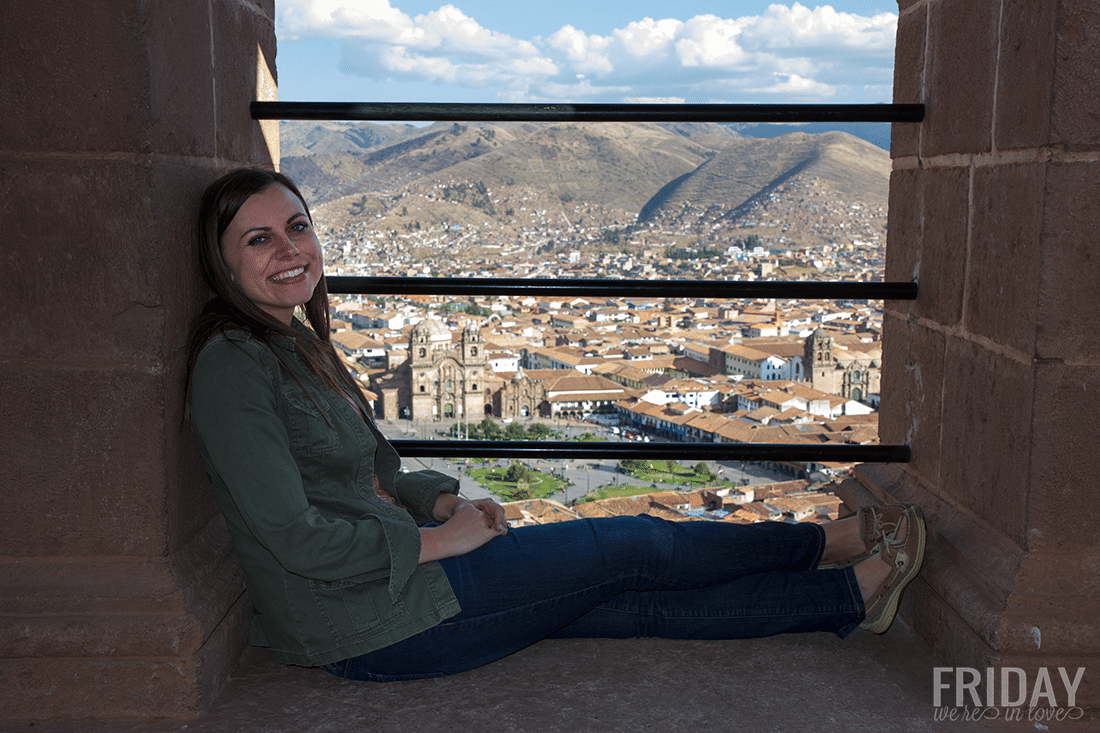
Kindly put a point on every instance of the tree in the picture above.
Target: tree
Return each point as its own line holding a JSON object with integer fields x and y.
{"x": 515, "y": 431}
{"x": 538, "y": 431}
{"x": 489, "y": 429}
{"x": 516, "y": 472}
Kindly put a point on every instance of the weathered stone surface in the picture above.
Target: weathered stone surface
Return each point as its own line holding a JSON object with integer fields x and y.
{"x": 1025, "y": 63}
{"x": 903, "y": 236}
{"x": 1001, "y": 287}
{"x": 85, "y": 447}
{"x": 119, "y": 688}
{"x": 244, "y": 70}
{"x": 941, "y": 259}
{"x": 81, "y": 81}
{"x": 1075, "y": 117}
{"x": 959, "y": 70}
{"x": 1070, "y": 265}
{"x": 987, "y": 434}
{"x": 1062, "y": 502}
{"x": 908, "y": 88}
{"x": 121, "y": 596}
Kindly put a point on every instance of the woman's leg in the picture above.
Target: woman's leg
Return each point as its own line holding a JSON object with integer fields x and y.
{"x": 625, "y": 576}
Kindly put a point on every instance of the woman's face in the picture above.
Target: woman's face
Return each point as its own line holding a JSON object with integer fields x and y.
{"x": 272, "y": 252}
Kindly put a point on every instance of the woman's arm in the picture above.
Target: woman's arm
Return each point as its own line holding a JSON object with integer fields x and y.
{"x": 465, "y": 526}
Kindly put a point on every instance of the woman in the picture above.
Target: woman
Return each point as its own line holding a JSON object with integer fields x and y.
{"x": 377, "y": 574}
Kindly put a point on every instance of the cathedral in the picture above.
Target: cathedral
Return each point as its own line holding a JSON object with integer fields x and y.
{"x": 841, "y": 370}
{"x": 438, "y": 379}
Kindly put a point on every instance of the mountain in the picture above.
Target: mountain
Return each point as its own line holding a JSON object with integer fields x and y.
{"x": 748, "y": 169}
{"x": 519, "y": 176}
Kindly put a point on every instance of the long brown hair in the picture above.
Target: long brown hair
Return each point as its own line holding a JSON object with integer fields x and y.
{"x": 232, "y": 310}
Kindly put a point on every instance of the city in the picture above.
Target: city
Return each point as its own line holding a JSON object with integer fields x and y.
{"x": 621, "y": 368}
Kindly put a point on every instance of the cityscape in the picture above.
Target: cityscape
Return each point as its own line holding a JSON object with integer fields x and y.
{"x": 620, "y": 369}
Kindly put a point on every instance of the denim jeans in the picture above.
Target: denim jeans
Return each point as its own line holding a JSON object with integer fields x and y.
{"x": 624, "y": 577}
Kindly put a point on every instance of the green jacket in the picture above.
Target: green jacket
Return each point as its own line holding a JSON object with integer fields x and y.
{"x": 331, "y": 569}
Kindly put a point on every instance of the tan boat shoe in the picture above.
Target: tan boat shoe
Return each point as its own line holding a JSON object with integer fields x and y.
{"x": 903, "y": 550}
{"x": 875, "y": 522}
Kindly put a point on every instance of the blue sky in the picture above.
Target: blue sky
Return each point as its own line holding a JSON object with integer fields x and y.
{"x": 704, "y": 51}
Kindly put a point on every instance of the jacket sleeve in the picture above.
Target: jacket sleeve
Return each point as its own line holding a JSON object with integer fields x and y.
{"x": 246, "y": 449}
{"x": 418, "y": 491}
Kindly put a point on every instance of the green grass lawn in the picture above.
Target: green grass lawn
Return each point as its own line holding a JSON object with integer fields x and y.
{"x": 539, "y": 485}
{"x": 657, "y": 472}
{"x": 618, "y": 492}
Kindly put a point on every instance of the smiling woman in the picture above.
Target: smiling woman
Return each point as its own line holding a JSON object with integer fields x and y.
{"x": 272, "y": 251}
{"x": 375, "y": 573}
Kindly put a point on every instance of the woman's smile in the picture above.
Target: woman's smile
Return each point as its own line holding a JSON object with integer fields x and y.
{"x": 272, "y": 252}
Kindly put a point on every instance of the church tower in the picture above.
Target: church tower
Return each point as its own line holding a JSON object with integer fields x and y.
{"x": 819, "y": 360}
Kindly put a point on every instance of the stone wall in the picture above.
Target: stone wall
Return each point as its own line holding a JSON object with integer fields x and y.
{"x": 993, "y": 374}
{"x": 121, "y": 597}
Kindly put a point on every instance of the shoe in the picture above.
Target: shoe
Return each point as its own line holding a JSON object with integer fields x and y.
{"x": 903, "y": 550}
{"x": 875, "y": 522}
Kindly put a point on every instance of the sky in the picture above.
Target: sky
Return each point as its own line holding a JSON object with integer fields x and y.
{"x": 610, "y": 51}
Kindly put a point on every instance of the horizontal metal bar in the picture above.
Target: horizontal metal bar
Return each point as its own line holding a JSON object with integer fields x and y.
{"x": 564, "y": 450}
{"x": 630, "y": 288}
{"x": 492, "y": 112}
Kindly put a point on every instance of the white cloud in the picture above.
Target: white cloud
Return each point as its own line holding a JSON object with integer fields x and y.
{"x": 787, "y": 54}
{"x": 654, "y": 100}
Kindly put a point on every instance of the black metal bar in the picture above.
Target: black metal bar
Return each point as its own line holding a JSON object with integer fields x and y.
{"x": 630, "y": 288}
{"x": 477, "y": 112}
{"x": 565, "y": 450}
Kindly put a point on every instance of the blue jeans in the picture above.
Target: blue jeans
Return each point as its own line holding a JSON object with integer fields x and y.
{"x": 624, "y": 577}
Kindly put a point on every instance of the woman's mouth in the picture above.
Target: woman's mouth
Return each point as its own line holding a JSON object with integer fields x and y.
{"x": 288, "y": 274}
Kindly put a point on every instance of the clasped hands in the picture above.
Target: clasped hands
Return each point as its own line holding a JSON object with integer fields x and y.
{"x": 464, "y": 526}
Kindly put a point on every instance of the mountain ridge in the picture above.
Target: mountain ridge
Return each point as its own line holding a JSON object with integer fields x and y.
{"x": 585, "y": 174}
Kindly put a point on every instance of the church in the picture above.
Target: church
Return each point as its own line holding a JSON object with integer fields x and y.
{"x": 439, "y": 379}
{"x": 842, "y": 369}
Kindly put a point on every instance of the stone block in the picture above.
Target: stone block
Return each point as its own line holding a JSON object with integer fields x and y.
{"x": 908, "y": 77}
{"x": 1070, "y": 266}
{"x": 987, "y": 400}
{"x": 244, "y": 72}
{"x": 1001, "y": 287}
{"x": 894, "y": 380}
{"x": 903, "y": 235}
{"x": 912, "y": 393}
{"x": 1065, "y": 460}
{"x": 1075, "y": 118}
{"x": 182, "y": 105}
{"x": 1025, "y": 67}
{"x": 962, "y": 39}
{"x": 83, "y": 446}
{"x": 88, "y": 688}
{"x": 85, "y": 282}
{"x": 104, "y": 606}
{"x": 86, "y": 89}
{"x": 941, "y": 263}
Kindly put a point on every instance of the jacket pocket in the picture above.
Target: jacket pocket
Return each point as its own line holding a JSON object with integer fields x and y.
{"x": 310, "y": 434}
{"x": 355, "y": 609}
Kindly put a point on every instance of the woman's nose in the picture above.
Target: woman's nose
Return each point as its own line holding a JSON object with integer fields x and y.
{"x": 287, "y": 246}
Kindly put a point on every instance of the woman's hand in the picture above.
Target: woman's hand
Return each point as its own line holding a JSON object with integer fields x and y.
{"x": 495, "y": 513}
{"x": 466, "y": 526}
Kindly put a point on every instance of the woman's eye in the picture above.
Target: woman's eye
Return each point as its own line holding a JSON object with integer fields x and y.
{"x": 299, "y": 226}
{"x": 260, "y": 239}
